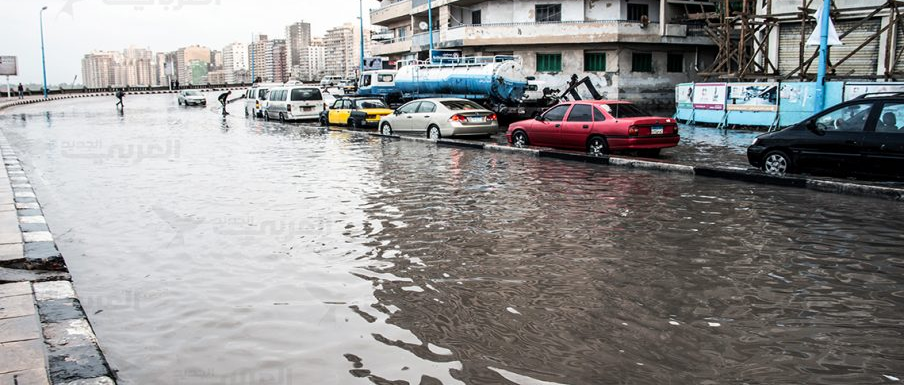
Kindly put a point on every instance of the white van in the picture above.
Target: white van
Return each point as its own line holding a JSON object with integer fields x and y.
{"x": 294, "y": 103}
{"x": 255, "y": 98}
{"x": 331, "y": 81}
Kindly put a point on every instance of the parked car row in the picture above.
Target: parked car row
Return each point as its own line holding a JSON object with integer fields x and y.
{"x": 285, "y": 102}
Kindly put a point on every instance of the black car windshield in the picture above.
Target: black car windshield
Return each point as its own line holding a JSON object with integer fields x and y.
{"x": 370, "y": 103}
{"x": 461, "y": 105}
{"x": 622, "y": 110}
{"x": 192, "y": 93}
{"x": 299, "y": 94}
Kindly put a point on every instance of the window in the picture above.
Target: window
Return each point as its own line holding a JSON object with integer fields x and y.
{"x": 461, "y": 105}
{"x": 581, "y": 113}
{"x": 557, "y": 113}
{"x": 549, "y": 62}
{"x": 642, "y": 62}
{"x": 594, "y": 61}
{"x": 624, "y": 110}
{"x": 426, "y": 107}
{"x": 675, "y": 62}
{"x": 337, "y": 105}
{"x": 347, "y": 105}
{"x": 849, "y": 118}
{"x": 365, "y": 80}
{"x": 891, "y": 119}
{"x": 370, "y": 103}
{"x": 385, "y": 78}
{"x": 409, "y": 108}
{"x": 636, "y": 12}
{"x": 476, "y": 18}
{"x": 306, "y": 94}
{"x": 598, "y": 116}
{"x": 548, "y": 12}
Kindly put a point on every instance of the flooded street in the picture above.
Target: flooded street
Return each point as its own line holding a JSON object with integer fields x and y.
{"x": 209, "y": 250}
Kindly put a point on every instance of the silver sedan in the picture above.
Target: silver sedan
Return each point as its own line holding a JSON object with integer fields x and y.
{"x": 439, "y": 118}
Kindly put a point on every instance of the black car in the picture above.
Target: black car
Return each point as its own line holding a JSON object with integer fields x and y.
{"x": 863, "y": 136}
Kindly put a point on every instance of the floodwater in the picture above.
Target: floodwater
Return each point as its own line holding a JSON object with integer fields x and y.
{"x": 211, "y": 251}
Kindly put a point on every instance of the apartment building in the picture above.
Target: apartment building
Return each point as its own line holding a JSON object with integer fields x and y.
{"x": 298, "y": 38}
{"x": 235, "y": 62}
{"x": 98, "y": 69}
{"x": 631, "y": 49}
{"x": 268, "y": 59}
{"x": 185, "y": 70}
{"x": 313, "y": 62}
{"x": 343, "y": 50}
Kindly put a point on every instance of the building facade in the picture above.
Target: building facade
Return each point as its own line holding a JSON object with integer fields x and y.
{"x": 98, "y": 69}
{"x": 634, "y": 50}
{"x": 342, "y": 50}
{"x": 184, "y": 58}
{"x": 298, "y": 38}
{"x": 235, "y": 62}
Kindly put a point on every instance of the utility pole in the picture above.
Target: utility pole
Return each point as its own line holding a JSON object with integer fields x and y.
{"x": 43, "y": 63}
{"x": 361, "y": 19}
{"x": 430, "y": 21}
{"x": 823, "y": 55}
{"x": 252, "y": 58}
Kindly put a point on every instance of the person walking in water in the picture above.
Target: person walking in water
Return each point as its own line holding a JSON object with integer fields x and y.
{"x": 119, "y": 96}
{"x": 224, "y": 98}
{"x": 21, "y": 91}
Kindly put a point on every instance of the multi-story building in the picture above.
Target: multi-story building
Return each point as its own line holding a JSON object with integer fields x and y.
{"x": 138, "y": 67}
{"x": 216, "y": 60}
{"x": 235, "y": 61}
{"x": 198, "y": 71}
{"x": 630, "y": 49}
{"x": 268, "y": 59}
{"x": 298, "y": 38}
{"x": 313, "y": 63}
{"x": 98, "y": 69}
{"x": 217, "y": 77}
{"x": 257, "y": 53}
{"x": 185, "y": 56}
{"x": 342, "y": 50}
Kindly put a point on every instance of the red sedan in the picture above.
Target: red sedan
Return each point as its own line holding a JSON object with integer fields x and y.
{"x": 597, "y": 126}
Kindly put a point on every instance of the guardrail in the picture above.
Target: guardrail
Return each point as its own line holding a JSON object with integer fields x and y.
{"x": 87, "y": 90}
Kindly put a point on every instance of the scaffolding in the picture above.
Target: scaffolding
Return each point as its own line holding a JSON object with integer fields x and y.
{"x": 746, "y": 33}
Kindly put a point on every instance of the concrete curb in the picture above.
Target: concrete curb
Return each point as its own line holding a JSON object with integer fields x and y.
{"x": 70, "y": 345}
{"x": 730, "y": 173}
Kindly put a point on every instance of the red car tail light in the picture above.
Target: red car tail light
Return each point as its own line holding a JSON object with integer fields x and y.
{"x": 458, "y": 118}
{"x": 632, "y": 131}
{"x": 492, "y": 117}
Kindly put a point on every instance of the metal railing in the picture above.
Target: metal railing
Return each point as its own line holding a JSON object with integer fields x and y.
{"x": 423, "y": 39}
{"x": 529, "y": 23}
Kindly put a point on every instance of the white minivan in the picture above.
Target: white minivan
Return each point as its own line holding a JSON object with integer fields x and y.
{"x": 294, "y": 103}
{"x": 330, "y": 81}
{"x": 255, "y": 98}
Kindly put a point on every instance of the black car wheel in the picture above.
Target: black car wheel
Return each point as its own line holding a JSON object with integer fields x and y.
{"x": 352, "y": 123}
{"x": 282, "y": 117}
{"x": 386, "y": 129}
{"x": 597, "y": 146}
{"x": 777, "y": 163}
{"x": 519, "y": 139}
{"x": 266, "y": 116}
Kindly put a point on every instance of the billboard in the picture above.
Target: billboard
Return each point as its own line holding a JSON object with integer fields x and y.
{"x": 709, "y": 96}
{"x": 373, "y": 63}
{"x": 8, "y": 66}
{"x": 853, "y": 90}
{"x": 753, "y": 97}
{"x": 684, "y": 95}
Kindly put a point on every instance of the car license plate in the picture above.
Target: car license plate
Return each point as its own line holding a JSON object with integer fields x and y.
{"x": 656, "y": 130}
{"x": 476, "y": 119}
{"x": 308, "y": 108}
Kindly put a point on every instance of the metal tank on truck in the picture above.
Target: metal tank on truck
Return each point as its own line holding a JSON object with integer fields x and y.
{"x": 496, "y": 80}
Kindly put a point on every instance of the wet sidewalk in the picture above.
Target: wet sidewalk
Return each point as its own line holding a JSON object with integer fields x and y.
{"x": 45, "y": 336}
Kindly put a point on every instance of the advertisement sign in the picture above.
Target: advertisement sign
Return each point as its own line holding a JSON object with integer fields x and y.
{"x": 684, "y": 95}
{"x": 753, "y": 97}
{"x": 709, "y": 96}
{"x": 373, "y": 63}
{"x": 440, "y": 56}
{"x": 853, "y": 90}
{"x": 8, "y": 66}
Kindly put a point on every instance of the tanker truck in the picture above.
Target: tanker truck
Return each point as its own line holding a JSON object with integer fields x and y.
{"x": 496, "y": 82}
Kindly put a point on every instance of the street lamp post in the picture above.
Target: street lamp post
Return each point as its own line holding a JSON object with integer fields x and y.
{"x": 43, "y": 62}
{"x": 361, "y": 19}
{"x": 430, "y": 21}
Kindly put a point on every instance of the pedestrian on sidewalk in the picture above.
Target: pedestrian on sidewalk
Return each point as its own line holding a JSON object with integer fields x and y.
{"x": 21, "y": 91}
{"x": 119, "y": 96}
{"x": 224, "y": 98}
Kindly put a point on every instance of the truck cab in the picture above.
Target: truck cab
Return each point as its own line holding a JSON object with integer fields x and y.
{"x": 377, "y": 83}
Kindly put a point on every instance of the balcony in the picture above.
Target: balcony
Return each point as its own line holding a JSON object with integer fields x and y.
{"x": 391, "y": 11}
{"x": 599, "y": 31}
{"x": 390, "y": 47}
{"x": 421, "y": 41}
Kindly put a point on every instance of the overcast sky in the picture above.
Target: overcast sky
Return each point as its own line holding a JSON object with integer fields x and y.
{"x": 73, "y": 28}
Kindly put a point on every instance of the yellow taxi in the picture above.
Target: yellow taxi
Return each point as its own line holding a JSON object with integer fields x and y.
{"x": 355, "y": 112}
